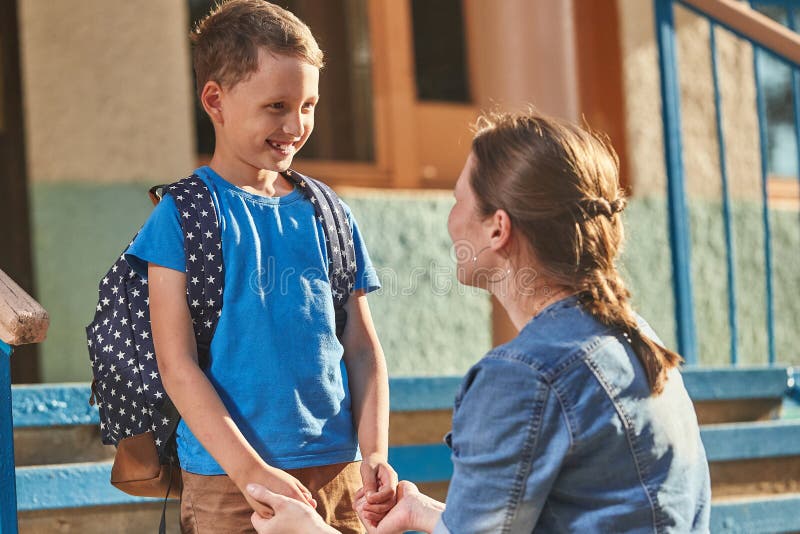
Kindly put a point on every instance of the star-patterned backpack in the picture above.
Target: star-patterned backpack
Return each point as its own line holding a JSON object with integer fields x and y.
{"x": 136, "y": 415}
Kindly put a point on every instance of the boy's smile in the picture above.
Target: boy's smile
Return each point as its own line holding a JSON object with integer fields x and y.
{"x": 262, "y": 121}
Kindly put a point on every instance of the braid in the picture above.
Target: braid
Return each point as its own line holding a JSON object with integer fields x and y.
{"x": 604, "y": 295}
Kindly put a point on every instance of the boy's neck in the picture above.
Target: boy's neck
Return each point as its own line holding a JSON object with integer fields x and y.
{"x": 260, "y": 182}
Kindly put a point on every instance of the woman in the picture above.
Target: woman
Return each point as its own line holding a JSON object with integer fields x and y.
{"x": 581, "y": 423}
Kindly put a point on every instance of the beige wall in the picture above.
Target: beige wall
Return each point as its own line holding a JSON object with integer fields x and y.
{"x": 107, "y": 89}
{"x": 643, "y": 104}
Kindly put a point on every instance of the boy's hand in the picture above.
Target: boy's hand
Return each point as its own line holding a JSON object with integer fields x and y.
{"x": 379, "y": 491}
{"x": 280, "y": 482}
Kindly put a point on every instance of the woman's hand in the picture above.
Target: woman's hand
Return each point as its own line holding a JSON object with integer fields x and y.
{"x": 413, "y": 511}
{"x": 279, "y": 482}
{"x": 291, "y": 516}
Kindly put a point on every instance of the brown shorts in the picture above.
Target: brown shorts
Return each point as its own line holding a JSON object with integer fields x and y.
{"x": 214, "y": 505}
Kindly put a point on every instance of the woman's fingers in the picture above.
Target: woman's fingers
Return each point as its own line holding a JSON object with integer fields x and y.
{"x": 264, "y": 495}
{"x": 379, "y": 508}
{"x": 307, "y": 496}
{"x": 373, "y": 518}
{"x": 386, "y": 493}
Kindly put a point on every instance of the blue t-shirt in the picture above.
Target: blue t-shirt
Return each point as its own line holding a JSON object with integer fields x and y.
{"x": 275, "y": 360}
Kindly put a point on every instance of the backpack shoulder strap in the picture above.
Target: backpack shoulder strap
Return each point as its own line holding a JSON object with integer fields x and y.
{"x": 338, "y": 239}
{"x": 202, "y": 243}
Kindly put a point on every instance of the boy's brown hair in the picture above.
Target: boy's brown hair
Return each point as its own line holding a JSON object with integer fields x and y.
{"x": 227, "y": 40}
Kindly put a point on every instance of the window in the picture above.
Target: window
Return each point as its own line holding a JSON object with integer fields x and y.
{"x": 439, "y": 51}
{"x": 341, "y": 28}
{"x": 776, "y": 88}
{"x": 783, "y": 146}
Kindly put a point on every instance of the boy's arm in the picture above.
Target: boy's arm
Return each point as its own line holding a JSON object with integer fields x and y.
{"x": 369, "y": 391}
{"x": 195, "y": 397}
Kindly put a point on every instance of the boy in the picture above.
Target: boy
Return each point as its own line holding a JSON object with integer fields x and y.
{"x": 274, "y": 405}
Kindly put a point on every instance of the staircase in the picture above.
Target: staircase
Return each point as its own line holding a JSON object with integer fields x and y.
{"x": 63, "y": 470}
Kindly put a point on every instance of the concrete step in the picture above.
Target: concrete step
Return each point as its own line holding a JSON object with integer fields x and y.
{"x": 142, "y": 518}
{"x": 63, "y": 469}
{"x": 53, "y": 423}
{"x": 98, "y": 508}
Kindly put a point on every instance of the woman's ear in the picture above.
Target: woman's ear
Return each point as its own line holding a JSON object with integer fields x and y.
{"x": 211, "y": 98}
{"x": 499, "y": 228}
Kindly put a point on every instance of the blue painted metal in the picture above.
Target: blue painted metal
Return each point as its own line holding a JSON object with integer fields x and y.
{"x": 679, "y": 231}
{"x": 422, "y": 463}
{"x": 66, "y": 404}
{"x": 408, "y": 394}
{"x": 791, "y": 14}
{"x": 707, "y": 384}
{"x": 725, "y": 442}
{"x": 726, "y": 202}
{"x": 52, "y": 404}
{"x": 762, "y": 136}
{"x": 54, "y": 487}
{"x": 738, "y": 441}
{"x": 8, "y": 496}
{"x": 772, "y": 515}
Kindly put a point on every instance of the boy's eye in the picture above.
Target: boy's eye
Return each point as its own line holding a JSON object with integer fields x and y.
{"x": 309, "y": 105}
{"x": 276, "y": 105}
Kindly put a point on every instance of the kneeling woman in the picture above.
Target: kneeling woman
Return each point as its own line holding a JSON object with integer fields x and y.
{"x": 581, "y": 423}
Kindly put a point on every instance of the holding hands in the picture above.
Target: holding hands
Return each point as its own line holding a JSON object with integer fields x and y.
{"x": 411, "y": 510}
{"x": 284, "y": 484}
{"x": 378, "y": 494}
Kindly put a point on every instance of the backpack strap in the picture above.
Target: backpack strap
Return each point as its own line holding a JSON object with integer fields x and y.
{"x": 202, "y": 244}
{"x": 205, "y": 282}
{"x": 338, "y": 240}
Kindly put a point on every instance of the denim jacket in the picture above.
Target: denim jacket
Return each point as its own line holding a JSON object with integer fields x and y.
{"x": 556, "y": 431}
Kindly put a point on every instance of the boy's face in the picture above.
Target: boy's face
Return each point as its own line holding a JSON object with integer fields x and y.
{"x": 264, "y": 120}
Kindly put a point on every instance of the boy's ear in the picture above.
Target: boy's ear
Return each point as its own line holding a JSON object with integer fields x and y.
{"x": 211, "y": 98}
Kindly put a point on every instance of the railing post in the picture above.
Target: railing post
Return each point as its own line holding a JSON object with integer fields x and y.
{"x": 22, "y": 321}
{"x": 676, "y": 195}
{"x": 8, "y": 486}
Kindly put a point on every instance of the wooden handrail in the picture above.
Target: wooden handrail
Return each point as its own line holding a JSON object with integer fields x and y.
{"x": 22, "y": 319}
{"x": 752, "y": 25}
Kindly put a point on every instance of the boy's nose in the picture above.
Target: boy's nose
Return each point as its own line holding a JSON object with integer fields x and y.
{"x": 293, "y": 125}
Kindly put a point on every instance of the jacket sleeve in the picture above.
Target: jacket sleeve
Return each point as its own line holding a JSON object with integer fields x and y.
{"x": 509, "y": 439}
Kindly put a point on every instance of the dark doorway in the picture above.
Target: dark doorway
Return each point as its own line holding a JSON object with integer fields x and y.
{"x": 15, "y": 232}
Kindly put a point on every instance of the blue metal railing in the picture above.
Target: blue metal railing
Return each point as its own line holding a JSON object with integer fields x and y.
{"x": 8, "y": 488}
{"x": 679, "y": 227}
{"x": 730, "y": 253}
{"x": 676, "y": 194}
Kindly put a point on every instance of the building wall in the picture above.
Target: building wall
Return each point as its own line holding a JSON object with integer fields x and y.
{"x": 643, "y": 105}
{"x": 428, "y": 324}
{"x": 107, "y": 90}
{"x": 108, "y": 111}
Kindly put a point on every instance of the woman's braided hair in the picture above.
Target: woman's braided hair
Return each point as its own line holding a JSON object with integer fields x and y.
{"x": 559, "y": 184}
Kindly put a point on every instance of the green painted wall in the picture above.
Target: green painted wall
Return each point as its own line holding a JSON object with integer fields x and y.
{"x": 646, "y": 263}
{"x": 79, "y": 230}
{"x": 428, "y": 324}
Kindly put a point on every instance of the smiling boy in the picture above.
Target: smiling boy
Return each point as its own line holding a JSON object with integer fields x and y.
{"x": 282, "y": 401}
